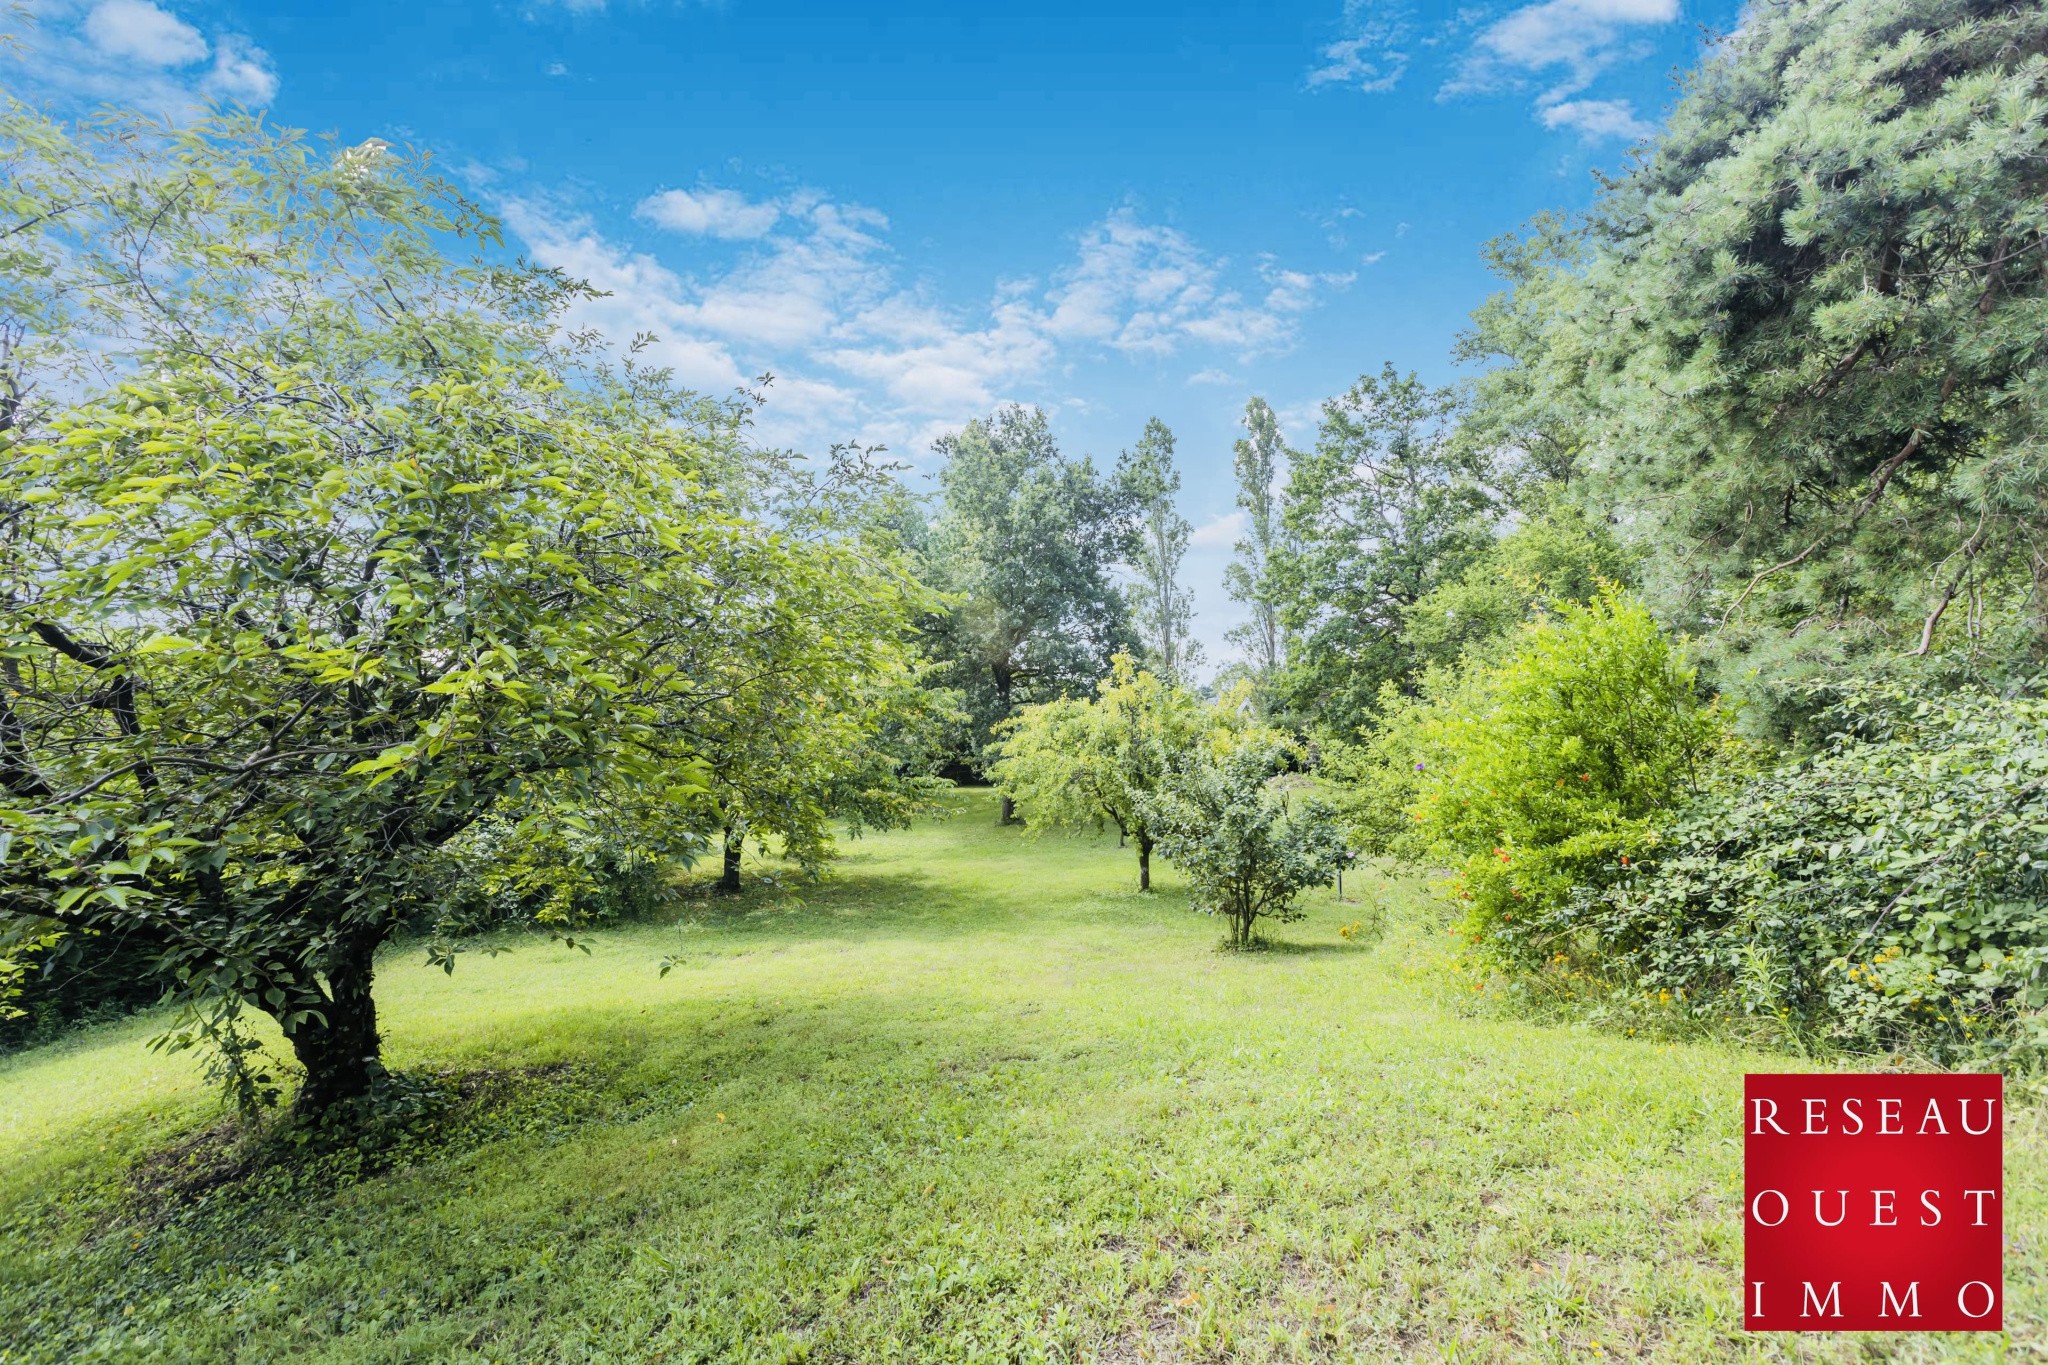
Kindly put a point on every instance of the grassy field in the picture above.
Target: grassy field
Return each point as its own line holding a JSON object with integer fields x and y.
{"x": 970, "y": 1100}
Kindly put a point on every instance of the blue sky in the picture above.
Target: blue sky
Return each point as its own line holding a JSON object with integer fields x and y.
{"x": 910, "y": 212}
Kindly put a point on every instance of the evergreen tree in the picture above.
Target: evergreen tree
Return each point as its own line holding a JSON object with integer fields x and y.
{"x": 1795, "y": 352}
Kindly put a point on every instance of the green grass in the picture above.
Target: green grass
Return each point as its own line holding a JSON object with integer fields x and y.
{"x": 969, "y": 1100}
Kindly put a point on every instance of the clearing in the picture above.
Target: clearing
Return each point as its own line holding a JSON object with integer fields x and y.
{"x": 969, "y": 1100}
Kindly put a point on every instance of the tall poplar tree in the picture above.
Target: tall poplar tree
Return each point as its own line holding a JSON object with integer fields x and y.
{"x": 1252, "y": 579}
{"x": 1164, "y": 608}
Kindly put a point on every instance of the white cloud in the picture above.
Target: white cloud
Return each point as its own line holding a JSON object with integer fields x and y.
{"x": 1212, "y": 376}
{"x": 818, "y": 298}
{"x": 138, "y": 31}
{"x": 1373, "y": 53}
{"x": 1576, "y": 39}
{"x": 1372, "y": 258}
{"x": 1365, "y": 63}
{"x": 142, "y": 56}
{"x": 1148, "y": 289}
{"x": 709, "y": 213}
{"x": 1224, "y": 530}
{"x": 644, "y": 296}
{"x": 242, "y": 73}
{"x": 1597, "y": 119}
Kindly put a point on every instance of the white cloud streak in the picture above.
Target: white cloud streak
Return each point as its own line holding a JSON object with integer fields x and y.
{"x": 140, "y": 55}
{"x": 1596, "y": 120}
{"x": 709, "y": 213}
{"x": 1569, "y": 42}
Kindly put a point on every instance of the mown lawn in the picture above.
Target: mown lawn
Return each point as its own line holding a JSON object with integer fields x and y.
{"x": 970, "y": 1100}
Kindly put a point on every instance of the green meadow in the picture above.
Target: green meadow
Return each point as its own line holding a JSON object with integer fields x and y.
{"x": 970, "y": 1099}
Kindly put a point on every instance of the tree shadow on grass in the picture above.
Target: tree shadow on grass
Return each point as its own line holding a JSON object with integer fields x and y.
{"x": 1291, "y": 948}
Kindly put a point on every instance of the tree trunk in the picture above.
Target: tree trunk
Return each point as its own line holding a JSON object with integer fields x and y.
{"x": 1144, "y": 862}
{"x": 729, "y": 878}
{"x": 341, "y": 1054}
{"x": 1009, "y": 815}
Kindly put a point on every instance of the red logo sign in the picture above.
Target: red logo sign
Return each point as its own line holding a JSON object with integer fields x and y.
{"x": 1873, "y": 1203}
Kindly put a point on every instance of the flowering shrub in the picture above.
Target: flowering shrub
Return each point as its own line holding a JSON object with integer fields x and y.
{"x": 1891, "y": 892}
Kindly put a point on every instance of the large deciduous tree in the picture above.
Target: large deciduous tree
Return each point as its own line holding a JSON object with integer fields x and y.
{"x": 1387, "y": 507}
{"x": 1796, "y": 348}
{"x": 316, "y": 547}
{"x": 1027, "y": 540}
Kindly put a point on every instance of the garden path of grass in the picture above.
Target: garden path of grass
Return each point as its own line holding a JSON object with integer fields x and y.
{"x": 969, "y": 1100}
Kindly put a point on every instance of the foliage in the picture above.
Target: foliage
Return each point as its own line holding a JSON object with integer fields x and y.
{"x": 1163, "y": 607}
{"x": 559, "y": 868}
{"x": 1385, "y": 509}
{"x": 1026, "y": 540}
{"x": 51, "y": 981}
{"x": 1889, "y": 893}
{"x": 1258, "y": 458}
{"x": 1246, "y": 850}
{"x": 1551, "y": 769}
{"x": 1080, "y": 762}
{"x": 351, "y": 547}
{"x": 1796, "y": 348}
{"x": 1557, "y": 556}
{"x": 826, "y": 720}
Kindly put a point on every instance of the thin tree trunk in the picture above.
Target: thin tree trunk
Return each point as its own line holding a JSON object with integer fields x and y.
{"x": 340, "y": 1052}
{"x": 1009, "y": 815}
{"x": 729, "y": 878}
{"x": 1144, "y": 862}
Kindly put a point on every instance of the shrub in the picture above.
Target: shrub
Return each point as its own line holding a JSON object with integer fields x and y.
{"x": 1549, "y": 771}
{"x": 1248, "y": 850}
{"x": 1890, "y": 893}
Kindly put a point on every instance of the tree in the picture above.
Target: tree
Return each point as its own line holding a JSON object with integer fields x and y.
{"x": 1548, "y": 770}
{"x": 1252, "y": 578}
{"x": 1075, "y": 762}
{"x": 1383, "y": 510}
{"x": 1794, "y": 351}
{"x": 351, "y": 547}
{"x": 1558, "y": 555}
{"x": 1249, "y": 851}
{"x": 1164, "y": 611}
{"x": 1026, "y": 540}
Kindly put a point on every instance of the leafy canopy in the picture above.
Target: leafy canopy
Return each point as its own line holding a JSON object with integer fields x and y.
{"x": 351, "y": 546}
{"x": 1083, "y": 761}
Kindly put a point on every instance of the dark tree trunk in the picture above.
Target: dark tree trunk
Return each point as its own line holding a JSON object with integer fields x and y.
{"x": 341, "y": 1053}
{"x": 729, "y": 878}
{"x": 1009, "y": 815}
{"x": 1144, "y": 862}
